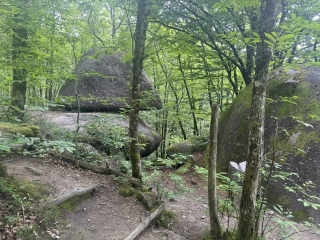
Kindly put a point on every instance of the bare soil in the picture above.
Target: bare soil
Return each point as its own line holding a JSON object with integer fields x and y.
{"x": 106, "y": 215}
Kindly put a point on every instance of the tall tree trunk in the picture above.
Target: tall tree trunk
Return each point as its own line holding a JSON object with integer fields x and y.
{"x": 139, "y": 41}
{"x": 190, "y": 100}
{"x": 215, "y": 228}
{"x": 247, "y": 225}
{"x": 19, "y": 76}
{"x": 177, "y": 110}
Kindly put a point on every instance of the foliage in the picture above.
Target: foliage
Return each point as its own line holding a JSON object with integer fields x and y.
{"x": 110, "y": 137}
{"x": 160, "y": 184}
{"x": 20, "y": 200}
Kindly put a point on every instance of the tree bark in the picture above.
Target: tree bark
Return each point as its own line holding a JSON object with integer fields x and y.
{"x": 247, "y": 225}
{"x": 140, "y": 38}
{"x": 190, "y": 100}
{"x": 70, "y": 195}
{"x": 145, "y": 223}
{"x": 19, "y": 75}
{"x": 215, "y": 228}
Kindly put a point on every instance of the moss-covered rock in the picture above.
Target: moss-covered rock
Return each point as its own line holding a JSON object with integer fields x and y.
{"x": 293, "y": 112}
{"x": 126, "y": 190}
{"x": 149, "y": 200}
{"x": 192, "y": 145}
{"x": 3, "y": 170}
{"x": 24, "y": 129}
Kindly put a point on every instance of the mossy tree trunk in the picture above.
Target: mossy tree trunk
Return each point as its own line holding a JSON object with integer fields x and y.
{"x": 247, "y": 225}
{"x": 139, "y": 41}
{"x": 215, "y": 228}
{"x": 19, "y": 46}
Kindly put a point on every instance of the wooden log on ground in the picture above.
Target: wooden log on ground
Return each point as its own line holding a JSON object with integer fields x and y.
{"x": 102, "y": 170}
{"x": 145, "y": 223}
{"x": 70, "y": 195}
{"x": 82, "y": 164}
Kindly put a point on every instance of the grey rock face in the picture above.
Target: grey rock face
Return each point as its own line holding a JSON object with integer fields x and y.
{"x": 68, "y": 121}
{"x": 103, "y": 85}
{"x": 293, "y": 112}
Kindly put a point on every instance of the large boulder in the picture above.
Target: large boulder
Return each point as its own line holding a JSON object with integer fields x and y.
{"x": 95, "y": 127}
{"x": 194, "y": 144}
{"x": 293, "y": 112}
{"x": 103, "y": 85}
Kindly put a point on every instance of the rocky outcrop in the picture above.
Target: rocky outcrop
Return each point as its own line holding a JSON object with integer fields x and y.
{"x": 293, "y": 110}
{"x": 97, "y": 127}
{"x": 194, "y": 144}
{"x": 103, "y": 85}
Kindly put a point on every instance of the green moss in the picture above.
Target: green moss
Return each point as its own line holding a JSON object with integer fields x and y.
{"x": 143, "y": 139}
{"x": 149, "y": 200}
{"x": 24, "y": 129}
{"x": 35, "y": 129}
{"x": 3, "y": 170}
{"x": 300, "y": 215}
{"x": 192, "y": 145}
{"x": 284, "y": 200}
{"x": 126, "y": 190}
{"x": 73, "y": 202}
{"x": 166, "y": 218}
{"x": 304, "y": 139}
{"x": 184, "y": 168}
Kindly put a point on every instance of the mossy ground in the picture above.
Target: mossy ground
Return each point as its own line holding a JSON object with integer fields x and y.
{"x": 20, "y": 200}
{"x": 23, "y": 129}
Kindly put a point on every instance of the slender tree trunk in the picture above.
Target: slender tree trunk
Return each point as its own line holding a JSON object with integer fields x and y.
{"x": 19, "y": 76}
{"x": 215, "y": 228}
{"x": 177, "y": 110}
{"x": 247, "y": 225}
{"x": 140, "y": 38}
{"x": 164, "y": 128}
{"x": 191, "y": 103}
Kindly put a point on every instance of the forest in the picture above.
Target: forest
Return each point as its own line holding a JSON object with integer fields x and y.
{"x": 201, "y": 56}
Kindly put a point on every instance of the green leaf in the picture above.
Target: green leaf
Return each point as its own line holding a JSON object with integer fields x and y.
{"x": 286, "y": 37}
{"x": 4, "y": 148}
{"x": 293, "y": 16}
{"x": 271, "y": 37}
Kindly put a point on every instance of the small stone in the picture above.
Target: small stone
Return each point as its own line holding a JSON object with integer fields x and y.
{"x": 89, "y": 220}
{"x": 84, "y": 209}
{"x": 203, "y": 217}
{"x": 271, "y": 212}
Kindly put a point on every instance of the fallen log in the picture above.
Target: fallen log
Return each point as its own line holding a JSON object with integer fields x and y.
{"x": 82, "y": 164}
{"x": 70, "y": 195}
{"x": 145, "y": 223}
{"x": 103, "y": 170}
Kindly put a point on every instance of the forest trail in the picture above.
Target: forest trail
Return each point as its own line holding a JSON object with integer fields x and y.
{"x": 107, "y": 215}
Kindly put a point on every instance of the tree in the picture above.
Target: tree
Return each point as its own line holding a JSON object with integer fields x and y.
{"x": 139, "y": 46}
{"x": 19, "y": 48}
{"x": 248, "y": 221}
{"x": 215, "y": 227}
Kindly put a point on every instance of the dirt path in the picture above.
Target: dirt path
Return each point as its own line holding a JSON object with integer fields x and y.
{"x": 107, "y": 215}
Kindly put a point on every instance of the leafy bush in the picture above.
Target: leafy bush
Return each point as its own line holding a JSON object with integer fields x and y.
{"x": 111, "y": 138}
{"x": 160, "y": 184}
